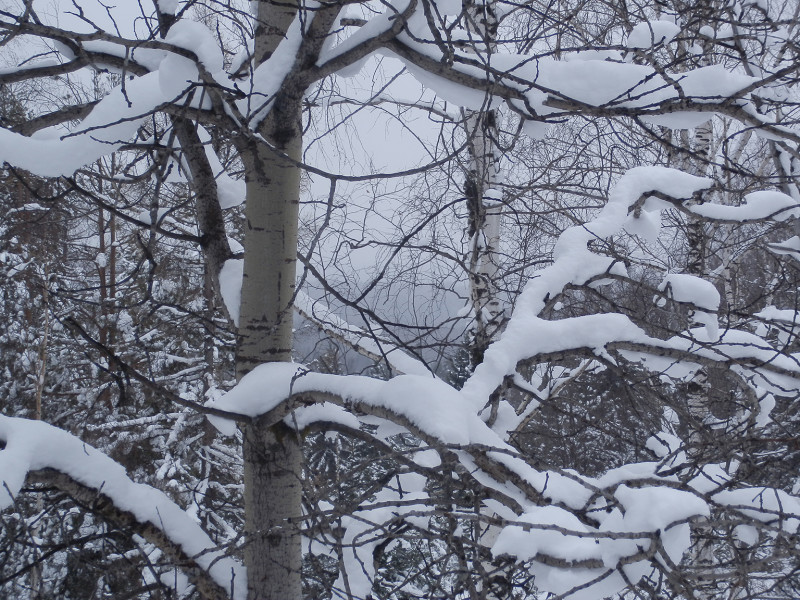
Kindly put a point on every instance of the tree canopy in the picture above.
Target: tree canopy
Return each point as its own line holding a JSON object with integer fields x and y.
{"x": 399, "y": 299}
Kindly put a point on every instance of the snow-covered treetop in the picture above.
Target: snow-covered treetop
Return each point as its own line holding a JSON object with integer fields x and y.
{"x": 178, "y": 65}
{"x": 588, "y": 537}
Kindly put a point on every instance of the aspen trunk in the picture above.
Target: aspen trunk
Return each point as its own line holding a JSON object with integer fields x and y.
{"x": 272, "y": 457}
{"x": 485, "y": 214}
{"x": 483, "y": 200}
{"x": 484, "y": 225}
{"x": 698, "y": 161}
{"x": 697, "y": 238}
{"x": 272, "y": 452}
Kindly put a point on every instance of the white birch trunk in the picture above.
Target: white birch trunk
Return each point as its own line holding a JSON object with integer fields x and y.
{"x": 698, "y": 161}
{"x": 483, "y": 199}
{"x": 272, "y": 453}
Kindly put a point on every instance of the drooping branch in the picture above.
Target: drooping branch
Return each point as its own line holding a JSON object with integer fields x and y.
{"x": 94, "y": 480}
{"x": 98, "y": 503}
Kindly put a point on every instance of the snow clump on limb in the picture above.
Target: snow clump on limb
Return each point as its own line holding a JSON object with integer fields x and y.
{"x": 650, "y": 33}
{"x": 35, "y": 445}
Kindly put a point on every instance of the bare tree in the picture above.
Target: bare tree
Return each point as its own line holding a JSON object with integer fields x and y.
{"x": 219, "y": 98}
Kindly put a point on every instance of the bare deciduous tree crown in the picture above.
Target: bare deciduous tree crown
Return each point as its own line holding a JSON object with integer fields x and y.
{"x": 539, "y": 261}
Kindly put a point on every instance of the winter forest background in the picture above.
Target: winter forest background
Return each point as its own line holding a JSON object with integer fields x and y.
{"x": 396, "y": 299}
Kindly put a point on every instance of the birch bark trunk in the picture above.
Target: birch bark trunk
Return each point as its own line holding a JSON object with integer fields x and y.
{"x": 272, "y": 453}
{"x": 483, "y": 200}
{"x": 698, "y": 160}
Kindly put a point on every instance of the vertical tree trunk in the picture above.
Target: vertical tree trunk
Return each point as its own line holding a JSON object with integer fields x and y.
{"x": 483, "y": 200}
{"x": 697, "y": 161}
{"x": 485, "y": 213}
{"x": 41, "y": 372}
{"x": 697, "y": 239}
{"x": 101, "y": 274}
{"x": 484, "y": 226}
{"x": 272, "y": 457}
{"x": 272, "y": 453}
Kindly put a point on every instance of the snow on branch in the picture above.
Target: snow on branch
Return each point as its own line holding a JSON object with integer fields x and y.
{"x": 765, "y": 205}
{"x": 635, "y": 206}
{"x": 527, "y": 335}
{"x": 34, "y": 448}
{"x": 184, "y": 72}
{"x": 427, "y": 407}
{"x": 112, "y": 122}
{"x": 581, "y": 536}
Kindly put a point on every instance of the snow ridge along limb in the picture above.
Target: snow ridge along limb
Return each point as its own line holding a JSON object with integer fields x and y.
{"x": 35, "y": 445}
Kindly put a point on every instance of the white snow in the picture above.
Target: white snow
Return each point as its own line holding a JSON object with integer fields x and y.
{"x": 600, "y": 82}
{"x": 707, "y": 31}
{"x": 651, "y": 509}
{"x": 112, "y": 122}
{"x": 441, "y": 414}
{"x": 767, "y": 505}
{"x": 790, "y": 247}
{"x": 269, "y": 75}
{"x": 699, "y": 292}
{"x": 689, "y": 288}
{"x": 757, "y": 205}
{"x": 449, "y": 91}
{"x": 765, "y": 406}
{"x": 648, "y": 34}
{"x": 161, "y": 214}
{"x": 746, "y": 534}
{"x": 324, "y": 411}
{"x": 771, "y": 313}
{"x": 35, "y": 445}
{"x": 375, "y": 26}
{"x": 230, "y": 284}
{"x": 759, "y": 363}
{"x": 429, "y": 404}
{"x": 678, "y": 120}
{"x": 710, "y": 479}
{"x": 663, "y": 444}
{"x": 176, "y": 75}
{"x": 596, "y": 82}
{"x": 449, "y": 7}
{"x": 555, "y": 532}
{"x": 197, "y": 38}
{"x": 432, "y": 409}
{"x": 230, "y": 192}
{"x": 359, "y": 540}
{"x": 528, "y": 335}
{"x": 169, "y": 7}
{"x": 543, "y": 534}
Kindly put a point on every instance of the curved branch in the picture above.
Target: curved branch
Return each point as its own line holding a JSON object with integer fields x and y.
{"x": 103, "y": 506}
